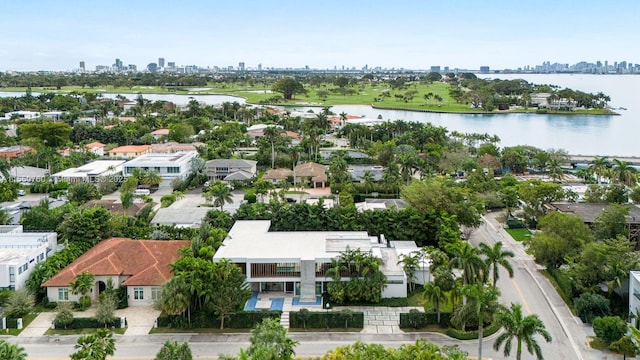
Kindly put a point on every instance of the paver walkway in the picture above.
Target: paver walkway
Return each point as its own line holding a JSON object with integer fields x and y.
{"x": 381, "y": 319}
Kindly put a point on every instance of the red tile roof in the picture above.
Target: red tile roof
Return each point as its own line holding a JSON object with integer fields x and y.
{"x": 146, "y": 262}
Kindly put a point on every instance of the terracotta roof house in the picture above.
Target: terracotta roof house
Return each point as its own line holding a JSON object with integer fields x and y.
{"x": 173, "y": 147}
{"x": 129, "y": 151}
{"x": 14, "y": 151}
{"x": 277, "y": 175}
{"x": 313, "y": 173}
{"x": 157, "y": 134}
{"x": 96, "y": 147}
{"x": 140, "y": 265}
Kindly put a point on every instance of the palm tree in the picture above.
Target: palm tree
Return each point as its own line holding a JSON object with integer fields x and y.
{"x": 624, "y": 173}
{"x": 598, "y": 166}
{"x": 343, "y": 118}
{"x": 221, "y": 194}
{"x": 12, "y": 351}
{"x": 172, "y": 350}
{"x": 176, "y": 298}
{"x": 482, "y": 304}
{"x": 496, "y": 256}
{"x": 262, "y": 188}
{"x": 272, "y": 133}
{"x": 127, "y": 200}
{"x": 96, "y": 346}
{"x": 466, "y": 258}
{"x": 435, "y": 296}
{"x": 522, "y": 329}
{"x": 82, "y": 284}
{"x": 367, "y": 180}
{"x": 410, "y": 264}
{"x": 555, "y": 170}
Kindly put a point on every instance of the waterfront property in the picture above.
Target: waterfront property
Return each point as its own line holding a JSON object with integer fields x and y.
{"x": 140, "y": 265}
{"x": 20, "y": 252}
{"x": 296, "y": 262}
{"x": 168, "y": 166}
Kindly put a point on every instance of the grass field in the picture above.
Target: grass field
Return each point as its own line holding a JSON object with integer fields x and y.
{"x": 519, "y": 234}
{"x": 364, "y": 95}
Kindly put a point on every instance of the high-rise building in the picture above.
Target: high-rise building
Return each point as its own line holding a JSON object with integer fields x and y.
{"x": 82, "y": 68}
{"x": 435, "y": 69}
{"x": 118, "y": 65}
{"x": 152, "y": 67}
{"x": 241, "y": 66}
{"x": 259, "y": 67}
{"x": 171, "y": 64}
{"x": 161, "y": 63}
{"x": 484, "y": 69}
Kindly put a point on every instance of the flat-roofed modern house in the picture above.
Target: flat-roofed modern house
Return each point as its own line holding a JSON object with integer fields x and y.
{"x": 231, "y": 169}
{"x": 168, "y": 166}
{"x": 20, "y": 252}
{"x": 140, "y": 265}
{"x": 296, "y": 261}
{"x": 90, "y": 172}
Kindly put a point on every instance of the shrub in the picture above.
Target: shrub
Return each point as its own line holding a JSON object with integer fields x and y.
{"x": 64, "y": 317}
{"x": 5, "y": 295}
{"x": 91, "y": 323}
{"x": 417, "y": 320}
{"x": 609, "y": 328}
{"x": 239, "y": 320}
{"x": 589, "y": 306}
{"x": 20, "y": 304}
{"x": 471, "y": 335}
{"x": 250, "y": 198}
{"x": 332, "y": 319}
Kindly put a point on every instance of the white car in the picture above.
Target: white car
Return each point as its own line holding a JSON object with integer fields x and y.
{"x": 22, "y": 192}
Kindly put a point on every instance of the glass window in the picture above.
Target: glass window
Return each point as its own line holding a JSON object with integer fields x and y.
{"x": 155, "y": 293}
{"x": 63, "y": 294}
{"x": 12, "y": 274}
{"x": 138, "y": 293}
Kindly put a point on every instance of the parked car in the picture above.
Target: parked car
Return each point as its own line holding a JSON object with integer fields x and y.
{"x": 22, "y": 192}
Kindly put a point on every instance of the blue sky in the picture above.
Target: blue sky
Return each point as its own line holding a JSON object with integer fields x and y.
{"x": 56, "y": 35}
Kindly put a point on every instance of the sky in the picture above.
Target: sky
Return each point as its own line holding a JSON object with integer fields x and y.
{"x": 467, "y": 34}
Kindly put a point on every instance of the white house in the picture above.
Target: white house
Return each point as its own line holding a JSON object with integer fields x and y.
{"x": 168, "y": 166}
{"x": 140, "y": 265}
{"x": 231, "y": 169}
{"x": 296, "y": 262}
{"x": 22, "y": 114}
{"x": 634, "y": 292}
{"x": 20, "y": 252}
{"x": 90, "y": 172}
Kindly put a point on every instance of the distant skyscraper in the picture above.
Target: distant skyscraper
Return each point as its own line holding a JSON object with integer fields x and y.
{"x": 259, "y": 67}
{"x": 118, "y": 65}
{"x": 241, "y": 66}
{"x": 435, "y": 69}
{"x": 82, "y": 66}
{"x": 171, "y": 64}
{"x": 484, "y": 69}
{"x": 161, "y": 62}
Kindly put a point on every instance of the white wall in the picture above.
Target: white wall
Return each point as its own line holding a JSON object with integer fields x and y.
{"x": 634, "y": 288}
{"x": 147, "y": 296}
{"x": 395, "y": 290}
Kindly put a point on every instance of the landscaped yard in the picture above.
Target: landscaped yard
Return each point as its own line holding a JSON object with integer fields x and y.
{"x": 519, "y": 234}
{"x": 117, "y": 331}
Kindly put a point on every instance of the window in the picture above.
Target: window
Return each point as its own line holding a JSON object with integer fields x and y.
{"x": 63, "y": 294}
{"x": 173, "y": 169}
{"x": 155, "y": 293}
{"x": 138, "y": 293}
{"x": 12, "y": 274}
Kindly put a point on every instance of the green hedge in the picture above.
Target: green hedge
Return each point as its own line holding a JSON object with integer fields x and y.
{"x": 91, "y": 323}
{"x": 335, "y": 319}
{"x": 239, "y": 320}
{"x": 471, "y": 335}
{"x": 419, "y": 320}
{"x": 389, "y": 302}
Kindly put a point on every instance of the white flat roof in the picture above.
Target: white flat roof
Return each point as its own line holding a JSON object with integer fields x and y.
{"x": 251, "y": 239}
{"x": 93, "y": 168}
{"x": 161, "y": 159}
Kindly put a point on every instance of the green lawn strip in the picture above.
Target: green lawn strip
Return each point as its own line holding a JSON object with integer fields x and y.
{"x": 519, "y": 234}
{"x": 118, "y": 331}
{"x": 26, "y": 320}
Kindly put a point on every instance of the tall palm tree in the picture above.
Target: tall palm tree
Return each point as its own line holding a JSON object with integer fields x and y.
{"x": 555, "y": 170}
{"x": 598, "y": 166}
{"x": 496, "y": 256}
{"x": 466, "y": 258}
{"x": 272, "y": 133}
{"x": 624, "y": 173}
{"x": 435, "y": 296}
{"x": 221, "y": 194}
{"x": 96, "y": 346}
{"x": 367, "y": 180}
{"x": 482, "y": 304}
{"x": 410, "y": 264}
{"x": 127, "y": 200}
{"x": 522, "y": 329}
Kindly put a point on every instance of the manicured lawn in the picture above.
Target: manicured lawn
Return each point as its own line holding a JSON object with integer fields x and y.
{"x": 519, "y": 234}
{"x": 416, "y": 299}
{"x": 118, "y": 331}
{"x": 26, "y": 320}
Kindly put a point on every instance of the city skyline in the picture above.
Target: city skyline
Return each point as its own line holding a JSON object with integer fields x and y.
{"x": 287, "y": 34}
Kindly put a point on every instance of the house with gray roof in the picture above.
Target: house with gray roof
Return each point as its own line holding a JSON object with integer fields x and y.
{"x": 232, "y": 169}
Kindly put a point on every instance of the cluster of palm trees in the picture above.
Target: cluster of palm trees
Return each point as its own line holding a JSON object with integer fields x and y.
{"x": 474, "y": 295}
{"x": 616, "y": 171}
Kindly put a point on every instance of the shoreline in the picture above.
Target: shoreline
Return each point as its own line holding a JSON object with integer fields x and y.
{"x": 373, "y": 106}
